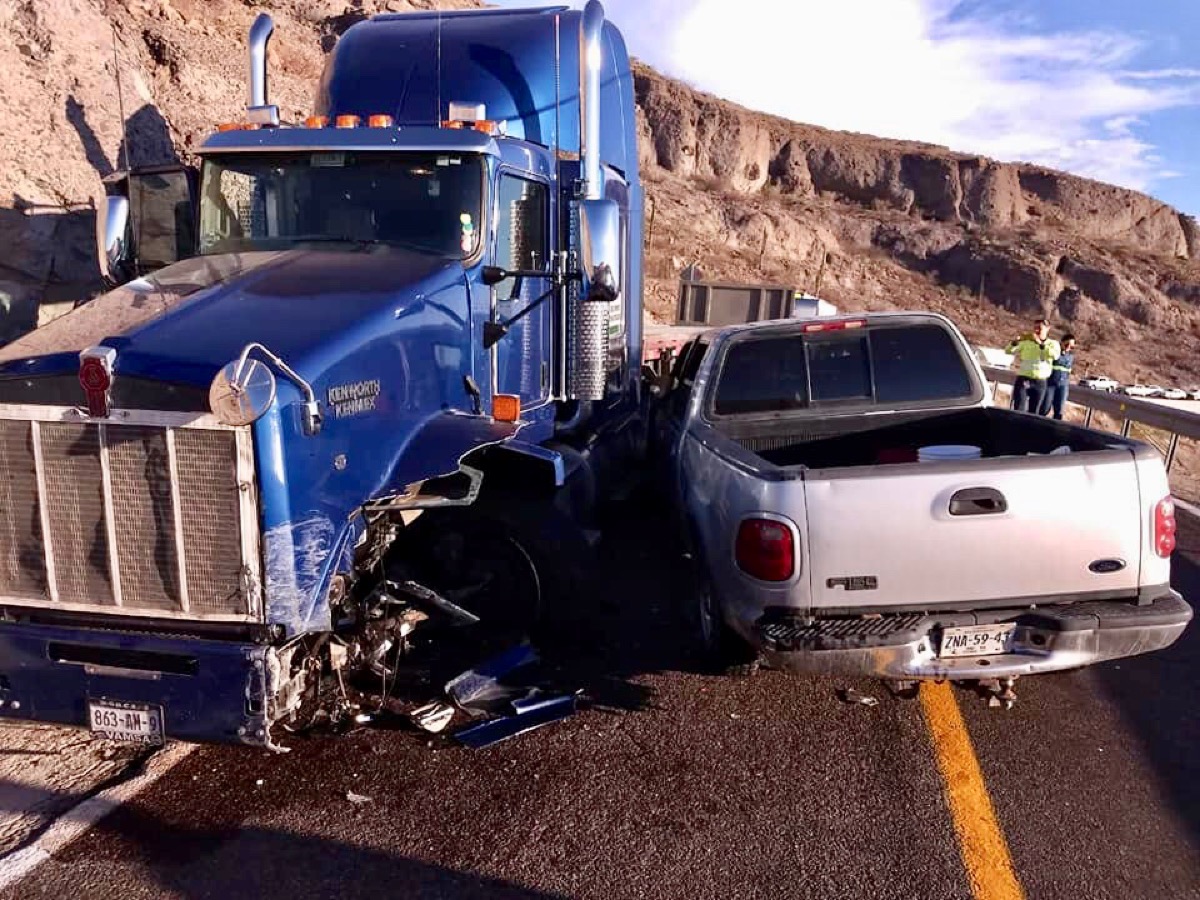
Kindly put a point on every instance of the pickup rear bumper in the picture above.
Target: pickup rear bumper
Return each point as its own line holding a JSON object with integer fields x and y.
{"x": 209, "y": 691}
{"x": 906, "y": 645}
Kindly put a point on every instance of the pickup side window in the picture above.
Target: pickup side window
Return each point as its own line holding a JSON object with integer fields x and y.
{"x": 918, "y": 362}
{"x": 684, "y": 375}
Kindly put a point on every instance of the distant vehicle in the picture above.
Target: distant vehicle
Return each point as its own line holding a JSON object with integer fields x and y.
{"x": 1142, "y": 390}
{"x": 1194, "y": 394}
{"x": 1174, "y": 394}
{"x": 1100, "y": 383}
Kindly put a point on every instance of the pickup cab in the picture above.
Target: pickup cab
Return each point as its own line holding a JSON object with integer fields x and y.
{"x": 854, "y": 504}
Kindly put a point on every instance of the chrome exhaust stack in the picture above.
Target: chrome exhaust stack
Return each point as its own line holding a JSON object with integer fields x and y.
{"x": 591, "y": 56}
{"x": 588, "y": 328}
{"x": 259, "y": 112}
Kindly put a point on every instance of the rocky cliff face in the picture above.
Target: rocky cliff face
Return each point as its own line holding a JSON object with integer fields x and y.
{"x": 694, "y": 134}
{"x": 877, "y": 224}
{"x": 869, "y": 223}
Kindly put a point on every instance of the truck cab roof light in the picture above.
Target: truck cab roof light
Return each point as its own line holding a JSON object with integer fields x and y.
{"x": 316, "y": 122}
{"x": 347, "y": 121}
{"x": 845, "y": 325}
{"x": 486, "y": 126}
{"x": 467, "y": 112}
{"x": 379, "y": 120}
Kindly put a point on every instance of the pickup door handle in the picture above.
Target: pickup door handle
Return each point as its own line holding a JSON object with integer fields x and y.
{"x": 980, "y": 501}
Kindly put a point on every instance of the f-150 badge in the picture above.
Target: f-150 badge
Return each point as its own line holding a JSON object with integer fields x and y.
{"x": 353, "y": 399}
{"x": 854, "y": 583}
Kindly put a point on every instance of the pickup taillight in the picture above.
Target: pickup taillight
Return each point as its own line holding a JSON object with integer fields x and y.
{"x": 1164, "y": 527}
{"x": 765, "y": 550}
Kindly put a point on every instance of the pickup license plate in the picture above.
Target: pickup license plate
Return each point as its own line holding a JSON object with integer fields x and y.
{"x": 977, "y": 640}
{"x": 126, "y": 723}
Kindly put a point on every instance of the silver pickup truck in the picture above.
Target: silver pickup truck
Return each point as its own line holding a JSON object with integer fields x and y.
{"x": 855, "y": 505}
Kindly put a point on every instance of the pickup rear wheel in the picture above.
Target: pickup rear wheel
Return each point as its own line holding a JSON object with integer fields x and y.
{"x": 722, "y": 649}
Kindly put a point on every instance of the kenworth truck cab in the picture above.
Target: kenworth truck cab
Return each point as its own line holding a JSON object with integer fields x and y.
{"x": 373, "y": 402}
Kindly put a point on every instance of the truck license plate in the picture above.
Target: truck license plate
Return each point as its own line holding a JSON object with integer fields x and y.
{"x": 127, "y": 723}
{"x": 977, "y": 640}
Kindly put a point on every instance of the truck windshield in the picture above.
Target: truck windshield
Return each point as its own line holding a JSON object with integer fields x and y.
{"x": 889, "y": 365}
{"x": 429, "y": 202}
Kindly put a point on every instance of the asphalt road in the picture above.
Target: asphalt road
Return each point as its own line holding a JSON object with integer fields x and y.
{"x": 677, "y": 784}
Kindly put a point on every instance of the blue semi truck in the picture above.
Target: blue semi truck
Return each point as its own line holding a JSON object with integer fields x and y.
{"x": 361, "y": 381}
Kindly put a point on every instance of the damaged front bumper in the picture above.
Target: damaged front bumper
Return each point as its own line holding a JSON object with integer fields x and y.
{"x": 209, "y": 691}
{"x": 906, "y": 646}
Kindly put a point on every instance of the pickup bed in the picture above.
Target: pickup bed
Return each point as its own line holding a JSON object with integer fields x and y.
{"x": 855, "y": 505}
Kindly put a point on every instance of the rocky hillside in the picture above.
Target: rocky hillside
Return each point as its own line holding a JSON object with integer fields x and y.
{"x": 869, "y": 223}
{"x": 876, "y": 224}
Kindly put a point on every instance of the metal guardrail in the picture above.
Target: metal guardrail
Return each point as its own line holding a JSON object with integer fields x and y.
{"x": 1176, "y": 422}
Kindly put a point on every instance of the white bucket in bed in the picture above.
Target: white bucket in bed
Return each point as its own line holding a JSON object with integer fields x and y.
{"x": 943, "y": 452}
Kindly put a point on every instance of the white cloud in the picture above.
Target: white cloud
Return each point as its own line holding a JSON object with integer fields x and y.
{"x": 916, "y": 69}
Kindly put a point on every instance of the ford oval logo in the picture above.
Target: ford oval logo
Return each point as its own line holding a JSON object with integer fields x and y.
{"x": 1107, "y": 566}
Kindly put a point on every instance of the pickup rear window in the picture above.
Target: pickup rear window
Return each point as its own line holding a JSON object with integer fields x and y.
{"x": 882, "y": 365}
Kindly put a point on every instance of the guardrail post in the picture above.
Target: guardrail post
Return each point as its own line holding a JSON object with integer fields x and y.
{"x": 1125, "y": 426}
{"x": 1087, "y": 417}
{"x": 1171, "y": 448}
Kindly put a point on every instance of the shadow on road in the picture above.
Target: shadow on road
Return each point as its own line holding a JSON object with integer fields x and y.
{"x": 194, "y": 862}
{"x": 1157, "y": 698}
{"x": 639, "y": 625}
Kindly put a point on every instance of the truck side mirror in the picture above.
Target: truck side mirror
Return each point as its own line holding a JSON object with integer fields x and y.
{"x": 112, "y": 238}
{"x": 600, "y": 234}
{"x": 147, "y": 221}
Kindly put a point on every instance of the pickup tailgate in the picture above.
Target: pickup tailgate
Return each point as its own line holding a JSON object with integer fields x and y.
{"x": 948, "y": 534}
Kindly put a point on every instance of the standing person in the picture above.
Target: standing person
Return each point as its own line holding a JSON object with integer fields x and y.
{"x": 1059, "y": 384}
{"x": 1033, "y": 367}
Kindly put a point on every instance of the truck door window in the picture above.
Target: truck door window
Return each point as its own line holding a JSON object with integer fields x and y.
{"x": 918, "y": 362}
{"x": 162, "y": 218}
{"x": 521, "y": 224}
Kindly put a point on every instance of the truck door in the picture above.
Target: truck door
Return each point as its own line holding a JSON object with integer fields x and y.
{"x": 522, "y": 358}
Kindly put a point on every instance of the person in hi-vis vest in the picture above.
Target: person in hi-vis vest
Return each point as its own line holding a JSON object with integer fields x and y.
{"x": 1035, "y": 355}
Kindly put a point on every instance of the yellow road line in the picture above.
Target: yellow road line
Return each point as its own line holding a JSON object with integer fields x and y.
{"x": 984, "y": 850}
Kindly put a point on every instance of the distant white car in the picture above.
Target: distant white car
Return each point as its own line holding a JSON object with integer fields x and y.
{"x": 1175, "y": 394}
{"x": 1142, "y": 390}
{"x": 1100, "y": 383}
{"x": 1194, "y": 394}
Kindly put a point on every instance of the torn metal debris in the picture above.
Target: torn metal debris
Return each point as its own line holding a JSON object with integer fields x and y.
{"x": 432, "y": 717}
{"x": 849, "y": 695}
{"x": 479, "y": 690}
{"x": 528, "y": 713}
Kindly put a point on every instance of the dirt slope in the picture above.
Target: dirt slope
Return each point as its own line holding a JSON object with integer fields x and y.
{"x": 744, "y": 195}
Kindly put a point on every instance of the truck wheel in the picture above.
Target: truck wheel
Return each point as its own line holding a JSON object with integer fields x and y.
{"x": 722, "y": 649}
{"x": 520, "y": 564}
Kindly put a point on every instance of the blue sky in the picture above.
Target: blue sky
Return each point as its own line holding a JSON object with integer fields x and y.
{"x": 1105, "y": 88}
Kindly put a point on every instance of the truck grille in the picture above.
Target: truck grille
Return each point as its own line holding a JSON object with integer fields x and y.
{"x": 143, "y": 519}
